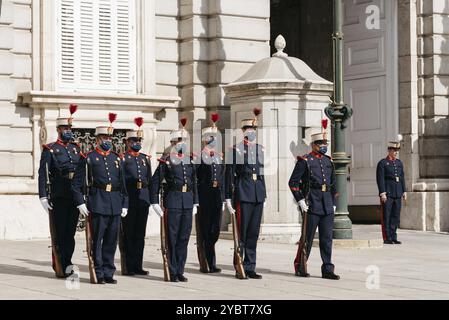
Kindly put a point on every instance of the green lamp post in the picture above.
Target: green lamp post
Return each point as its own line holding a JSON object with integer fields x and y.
{"x": 338, "y": 112}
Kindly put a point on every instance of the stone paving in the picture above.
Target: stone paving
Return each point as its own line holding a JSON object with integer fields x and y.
{"x": 417, "y": 269}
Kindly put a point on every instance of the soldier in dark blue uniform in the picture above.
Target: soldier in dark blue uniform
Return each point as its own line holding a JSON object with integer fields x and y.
{"x": 245, "y": 188}
{"x": 61, "y": 158}
{"x": 138, "y": 180}
{"x": 107, "y": 200}
{"x": 391, "y": 185}
{"x": 211, "y": 192}
{"x": 313, "y": 186}
{"x": 177, "y": 171}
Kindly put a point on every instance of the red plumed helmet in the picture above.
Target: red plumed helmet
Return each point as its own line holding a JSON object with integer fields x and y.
{"x": 324, "y": 123}
{"x": 73, "y": 107}
{"x": 257, "y": 111}
{"x": 138, "y": 121}
{"x": 214, "y": 117}
{"x": 112, "y": 117}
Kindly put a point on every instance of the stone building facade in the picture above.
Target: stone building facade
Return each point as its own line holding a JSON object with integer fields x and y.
{"x": 173, "y": 60}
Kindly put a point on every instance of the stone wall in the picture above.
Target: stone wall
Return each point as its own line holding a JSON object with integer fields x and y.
{"x": 423, "y": 91}
{"x": 15, "y": 76}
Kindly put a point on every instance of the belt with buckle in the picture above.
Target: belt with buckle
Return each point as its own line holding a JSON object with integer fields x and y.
{"x": 138, "y": 185}
{"x": 184, "y": 188}
{"x": 253, "y": 176}
{"x": 106, "y": 187}
{"x": 322, "y": 187}
{"x": 69, "y": 175}
{"x": 397, "y": 179}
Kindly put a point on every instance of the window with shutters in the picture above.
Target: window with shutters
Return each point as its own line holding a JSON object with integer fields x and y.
{"x": 96, "y": 45}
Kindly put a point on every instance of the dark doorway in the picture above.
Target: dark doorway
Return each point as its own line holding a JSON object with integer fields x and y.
{"x": 307, "y": 27}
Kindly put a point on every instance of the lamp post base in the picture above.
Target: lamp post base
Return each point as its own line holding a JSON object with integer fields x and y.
{"x": 342, "y": 227}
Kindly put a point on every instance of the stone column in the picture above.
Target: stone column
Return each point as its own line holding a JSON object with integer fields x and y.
{"x": 292, "y": 98}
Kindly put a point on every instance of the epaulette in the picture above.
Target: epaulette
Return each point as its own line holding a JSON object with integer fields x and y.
{"x": 120, "y": 155}
{"x": 76, "y": 143}
{"x": 48, "y": 146}
{"x": 162, "y": 160}
{"x": 330, "y": 158}
{"x": 299, "y": 158}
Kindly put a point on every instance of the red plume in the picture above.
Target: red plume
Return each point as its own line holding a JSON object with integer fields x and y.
{"x": 183, "y": 121}
{"x": 138, "y": 121}
{"x": 73, "y": 108}
{"x": 324, "y": 123}
{"x": 214, "y": 117}
{"x": 256, "y": 111}
{"x": 112, "y": 117}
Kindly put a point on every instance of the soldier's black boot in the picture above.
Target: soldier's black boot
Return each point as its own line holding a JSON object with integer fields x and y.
{"x": 182, "y": 278}
{"x": 174, "y": 278}
{"x": 100, "y": 281}
{"x": 330, "y": 276}
{"x": 388, "y": 242}
{"x": 141, "y": 272}
{"x": 253, "y": 275}
{"x": 110, "y": 280}
{"x": 397, "y": 242}
{"x": 214, "y": 270}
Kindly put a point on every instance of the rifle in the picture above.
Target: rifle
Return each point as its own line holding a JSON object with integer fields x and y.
{"x": 89, "y": 241}
{"x": 238, "y": 263}
{"x": 204, "y": 267}
{"x": 55, "y": 253}
{"x": 301, "y": 254}
{"x": 164, "y": 249}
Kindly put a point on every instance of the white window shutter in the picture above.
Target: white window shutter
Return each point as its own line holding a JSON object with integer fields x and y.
{"x": 97, "y": 45}
{"x": 66, "y": 42}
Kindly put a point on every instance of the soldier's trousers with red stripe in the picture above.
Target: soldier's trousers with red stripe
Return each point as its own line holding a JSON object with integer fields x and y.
{"x": 249, "y": 217}
{"x": 391, "y": 212}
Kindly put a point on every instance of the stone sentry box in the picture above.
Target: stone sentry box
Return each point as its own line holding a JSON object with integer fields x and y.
{"x": 292, "y": 98}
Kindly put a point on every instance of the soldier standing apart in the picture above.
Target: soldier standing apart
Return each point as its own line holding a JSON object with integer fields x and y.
{"x": 138, "y": 180}
{"x": 106, "y": 201}
{"x": 177, "y": 170}
{"x": 313, "y": 186}
{"x": 211, "y": 187}
{"x": 61, "y": 158}
{"x": 391, "y": 185}
{"x": 245, "y": 186}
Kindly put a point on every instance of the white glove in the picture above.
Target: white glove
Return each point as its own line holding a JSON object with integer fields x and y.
{"x": 83, "y": 210}
{"x": 195, "y": 209}
{"x": 335, "y": 208}
{"x": 229, "y": 206}
{"x": 157, "y": 208}
{"x": 264, "y": 204}
{"x": 47, "y": 206}
{"x": 303, "y": 205}
{"x": 124, "y": 212}
{"x": 383, "y": 197}
{"x": 223, "y": 206}
{"x": 404, "y": 196}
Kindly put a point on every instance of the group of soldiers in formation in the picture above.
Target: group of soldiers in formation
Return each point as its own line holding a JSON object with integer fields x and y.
{"x": 110, "y": 195}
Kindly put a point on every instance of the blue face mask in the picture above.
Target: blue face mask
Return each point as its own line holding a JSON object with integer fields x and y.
{"x": 136, "y": 147}
{"x": 251, "y": 135}
{"x": 323, "y": 150}
{"x": 66, "y": 135}
{"x": 180, "y": 147}
{"x": 212, "y": 143}
{"x": 106, "y": 145}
